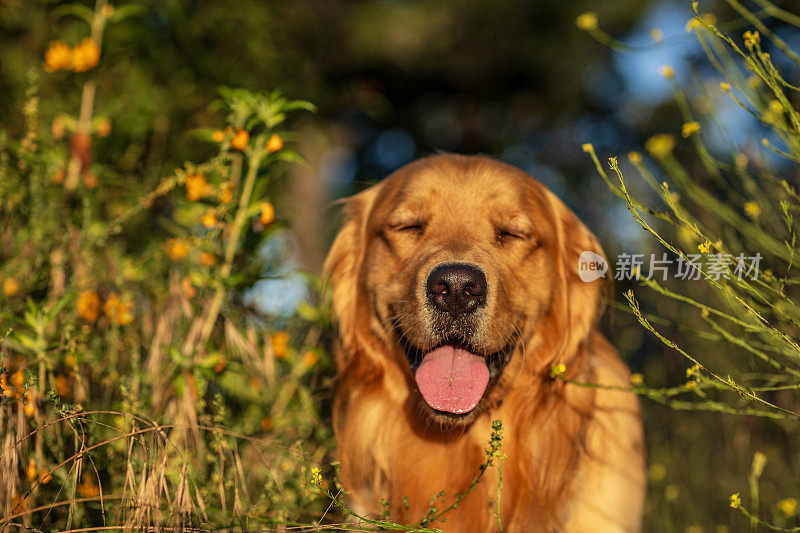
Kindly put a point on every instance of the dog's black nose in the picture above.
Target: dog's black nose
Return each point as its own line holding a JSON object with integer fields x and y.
{"x": 457, "y": 288}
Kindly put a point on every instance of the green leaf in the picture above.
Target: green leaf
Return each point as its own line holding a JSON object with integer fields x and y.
{"x": 75, "y": 10}
{"x": 127, "y": 11}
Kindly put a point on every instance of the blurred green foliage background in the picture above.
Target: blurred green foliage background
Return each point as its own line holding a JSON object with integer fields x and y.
{"x": 392, "y": 80}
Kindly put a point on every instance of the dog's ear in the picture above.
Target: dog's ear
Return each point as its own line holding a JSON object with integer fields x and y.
{"x": 343, "y": 270}
{"x": 579, "y": 301}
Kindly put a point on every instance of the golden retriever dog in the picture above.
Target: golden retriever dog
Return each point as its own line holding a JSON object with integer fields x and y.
{"x": 456, "y": 288}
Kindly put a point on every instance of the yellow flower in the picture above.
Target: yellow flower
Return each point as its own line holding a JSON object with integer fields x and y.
{"x": 267, "y": 213}
{"x": 740, "y": 160}
{"x": 280, "y": 344}
{"x": 690, "y": 128}
{"x": 788, "y": 507}
{"x": 692, "y": 370}
{"x": 118, "y": 310}
{"x": 587, "y": 147}
{"x": 704, "y": 247}
{"x": 225, "y": 194}
{"x": 725, "y": 86}
{"x": 218, "y": 136}
{"x": 240, "y": 139}
{"x": 776, "y": 107}
{"x": 10, "y": 287}
{"x": 736, "y": 500}
{"x": 108, "y": 10}
{"x": 667, "y": 71}
{"x": 103, "y": 127}
{"x": 208, "y": 259}
{"x": 30, "y": 472}
{"x": 752, "y": 209}
{"x": 177, "y": 249}
{"x": 587, "y": 21}
{"x": 275, "y": 143}
{"x": 690, "y": 385}
{"x": 557, "y": 369}
{"x": 88, "y": 306}
{"x": 310, "y": 358}
{"x": 209, "y": 219}
{"x": 657, "y": 35}
{"x": 660, "y": 145}
{"x": 637, "y": 379}
{"x": 316, "y": 477}
{"x": 188, "y": 288}
{"x": 196, "y": 187}
{"x": 753, "y": 82}
{"x": 693, "y": 24}
{"x": 635, "y": 157}
{"x": 86, "y": 55}
{"x": 751, "y": 38}
{"x": 57, "y": 57}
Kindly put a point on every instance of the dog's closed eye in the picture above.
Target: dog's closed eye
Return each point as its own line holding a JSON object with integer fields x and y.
{"x": 411, "y": 226}
{"x": 505, "y": 235}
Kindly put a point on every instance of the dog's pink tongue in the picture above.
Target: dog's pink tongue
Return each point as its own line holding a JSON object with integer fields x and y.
{"x": 452, "y": 379}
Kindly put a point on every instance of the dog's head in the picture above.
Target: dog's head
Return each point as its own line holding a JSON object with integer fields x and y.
{"x": 462, "y": 271}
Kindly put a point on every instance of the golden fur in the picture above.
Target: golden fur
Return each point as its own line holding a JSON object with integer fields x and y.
{"x": 575, "y": 455}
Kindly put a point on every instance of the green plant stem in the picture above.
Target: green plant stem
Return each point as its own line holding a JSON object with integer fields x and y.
{"x": 254, "y": 161}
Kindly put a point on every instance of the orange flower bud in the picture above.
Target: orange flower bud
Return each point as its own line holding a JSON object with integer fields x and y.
{"x": 176, "y": 249}
{"x": 118, "y": 311}
{"x": 267, "y": 213}
{"x": 86, "y": 55}
{"x": 209, "y": 219}
{"x": 104, "y": 127}
{"x": 58, "y": 56}
{"x": 196, "y": 186}
{"x": 218, "y": 136}
{"x": 280, "y": 344}
{"x": 30, "y": 472}
{"x": 310, "y": 358}
{"x": 275, "y": 143}
{"x": 90, "y": 180}
{"x": 88, "y": 306}
{"x": 208, "y": 259}
{"x": 240, "y": 140}
{"x": 10, "y": 287}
